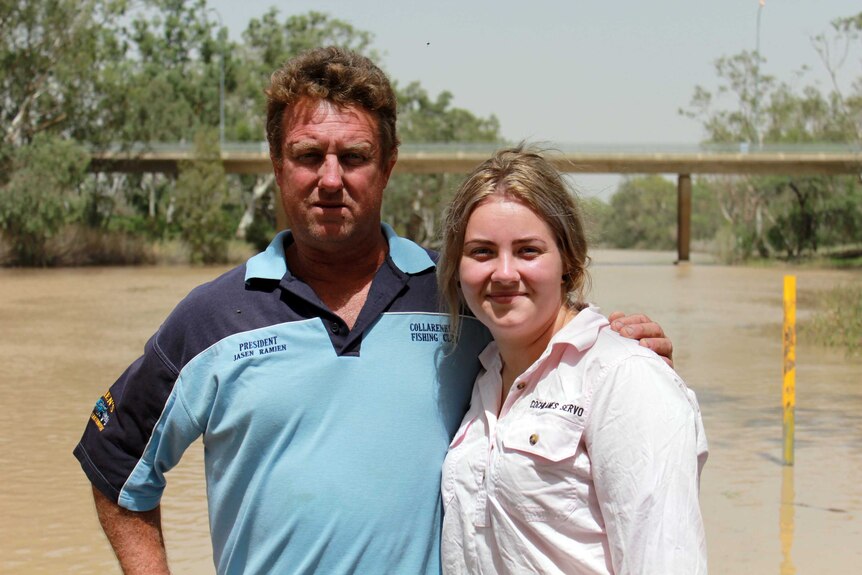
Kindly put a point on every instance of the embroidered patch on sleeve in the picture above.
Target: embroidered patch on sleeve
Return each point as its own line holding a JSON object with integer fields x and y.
{"x": 102, "y": 411}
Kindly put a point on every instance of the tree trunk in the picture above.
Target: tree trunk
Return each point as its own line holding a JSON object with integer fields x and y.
{"x": 260, "y": 188}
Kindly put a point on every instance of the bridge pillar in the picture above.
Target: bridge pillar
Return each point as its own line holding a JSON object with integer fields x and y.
{"x": 683, "y": 214}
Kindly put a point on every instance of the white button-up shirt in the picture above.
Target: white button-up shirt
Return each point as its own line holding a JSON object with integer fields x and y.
{"x": 592, "y": 466}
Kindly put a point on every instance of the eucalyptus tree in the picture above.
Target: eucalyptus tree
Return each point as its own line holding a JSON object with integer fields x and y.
{"x": 130, "y": 75}
{"x": 52, "y": 56}
{"x": 203, "y": 203}
{"x": 52, "y": 53}
{"x": 787, "y": 216}
{"x": 161, "y": 90}
{"x": 414, "y": 203}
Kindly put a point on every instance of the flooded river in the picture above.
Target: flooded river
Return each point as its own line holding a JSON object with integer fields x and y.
{"x": 66, "y": 334}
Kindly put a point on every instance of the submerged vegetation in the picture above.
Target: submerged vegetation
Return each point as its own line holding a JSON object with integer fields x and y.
{"x": 837, "y": 321}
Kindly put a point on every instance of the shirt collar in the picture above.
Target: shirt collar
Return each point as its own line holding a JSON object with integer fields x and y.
{"x": 271, "y": 264}
{"x": 407, "y": 256}
{"x": 581, "y": 333}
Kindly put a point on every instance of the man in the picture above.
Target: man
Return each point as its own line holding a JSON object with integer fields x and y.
{"x": 317, "y": 373}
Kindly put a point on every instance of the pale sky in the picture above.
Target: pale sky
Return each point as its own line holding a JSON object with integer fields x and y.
{"x": 575, "y": 71}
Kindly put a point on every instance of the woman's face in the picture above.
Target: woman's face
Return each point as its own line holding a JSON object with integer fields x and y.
{"x": 511, "y": 270}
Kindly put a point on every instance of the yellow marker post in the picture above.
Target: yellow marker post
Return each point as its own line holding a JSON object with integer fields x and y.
{"x": 788, "y": 390}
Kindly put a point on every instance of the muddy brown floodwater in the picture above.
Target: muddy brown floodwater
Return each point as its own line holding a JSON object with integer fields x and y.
{"x": 65, "y": 335}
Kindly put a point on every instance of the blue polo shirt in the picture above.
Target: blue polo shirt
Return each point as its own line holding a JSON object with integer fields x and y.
{"x": 323, "y": 445}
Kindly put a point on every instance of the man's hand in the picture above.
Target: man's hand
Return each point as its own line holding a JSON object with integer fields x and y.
{"x": 646, "y": 331}
{"x": 135, "y": 536}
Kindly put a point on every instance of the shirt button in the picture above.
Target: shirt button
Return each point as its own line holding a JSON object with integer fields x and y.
{"x": 334, "y": 327}
{"x": 534, "y": 439}
{"x": 522, "y": 385}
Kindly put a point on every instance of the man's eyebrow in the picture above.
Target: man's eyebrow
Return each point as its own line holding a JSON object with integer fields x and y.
{"x": 364, "y": 147}
{"x": 302, "y": 146}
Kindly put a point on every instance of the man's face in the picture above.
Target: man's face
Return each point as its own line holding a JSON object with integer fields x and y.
{"x": 331, "y": 175}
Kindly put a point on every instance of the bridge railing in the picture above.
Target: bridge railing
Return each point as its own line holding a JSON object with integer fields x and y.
{"x": 680, "y": 159}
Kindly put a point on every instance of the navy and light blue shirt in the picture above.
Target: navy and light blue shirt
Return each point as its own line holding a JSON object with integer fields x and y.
{"x": 323, "y": 444}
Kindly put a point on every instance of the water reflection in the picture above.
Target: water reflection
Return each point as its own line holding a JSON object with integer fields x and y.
{"x": 785, "y": 520}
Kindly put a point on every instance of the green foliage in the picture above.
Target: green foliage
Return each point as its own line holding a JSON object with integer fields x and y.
{"x": 414, "y": 203}
{"x": 168, "y": 83}
{"x": 838, "y": 320}
{"x": 745, "y": 84}
{"x": 268, "y": 43}
{"x": 842, "y": 213}
{"x": 202, "y": 202}
{"x": 261, "y": 231}
{"x": 785, "y": 216}
{"x": 132, "y": 75}
{"x": 423, "y": 119}
{"x": 120, "y": 74}
{"x": 597, "y": 214}
{"x": 814, "y": 212}
{"x": 51, "y": 53}
{"x": 706, "y": 218}
{"x": 41, "y": 196}
{"x": 643, "y": 214}
{"x": 272, "y": 42}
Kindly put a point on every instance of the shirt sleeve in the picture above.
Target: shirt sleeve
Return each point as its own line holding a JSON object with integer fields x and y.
{"x": 647, "y": 447}
{"x": 137, "y": 431}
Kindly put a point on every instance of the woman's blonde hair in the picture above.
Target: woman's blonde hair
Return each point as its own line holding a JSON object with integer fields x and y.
{"x": 524, "y": 175}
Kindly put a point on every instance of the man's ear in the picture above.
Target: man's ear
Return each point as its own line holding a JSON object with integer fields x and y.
{"x": 390, "y": 164}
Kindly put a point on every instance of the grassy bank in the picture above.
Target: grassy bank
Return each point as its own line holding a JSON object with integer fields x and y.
{"x": 76, "y": 246}
{"x": 838, "y": 320}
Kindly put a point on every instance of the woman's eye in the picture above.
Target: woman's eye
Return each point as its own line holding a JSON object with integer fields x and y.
{"x": 479, "y": 252}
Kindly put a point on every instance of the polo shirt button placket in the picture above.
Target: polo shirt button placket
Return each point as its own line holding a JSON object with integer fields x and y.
{"x": 334, "y": 327}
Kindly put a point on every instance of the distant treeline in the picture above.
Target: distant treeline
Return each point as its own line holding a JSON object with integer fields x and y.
{"x": 82, "y": 75}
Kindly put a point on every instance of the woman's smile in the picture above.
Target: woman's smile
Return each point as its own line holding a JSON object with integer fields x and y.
{"x": 511, "y": 269}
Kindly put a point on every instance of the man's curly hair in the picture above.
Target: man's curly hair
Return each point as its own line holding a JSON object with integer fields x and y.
{"x": 336, "y": 75}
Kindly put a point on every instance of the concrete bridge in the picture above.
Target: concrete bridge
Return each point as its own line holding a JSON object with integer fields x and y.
{"x": 461, "y": 158}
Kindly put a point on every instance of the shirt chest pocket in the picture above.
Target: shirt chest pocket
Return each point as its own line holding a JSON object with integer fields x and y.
{"x": 535, "y": 475}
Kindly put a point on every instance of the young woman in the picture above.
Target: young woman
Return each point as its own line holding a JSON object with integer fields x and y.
{"x": 581, "y": 451}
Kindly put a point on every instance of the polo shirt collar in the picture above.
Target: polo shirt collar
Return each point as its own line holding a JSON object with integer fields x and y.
{"x": 271, "y": 263}
{"x": 407, "y": 256}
